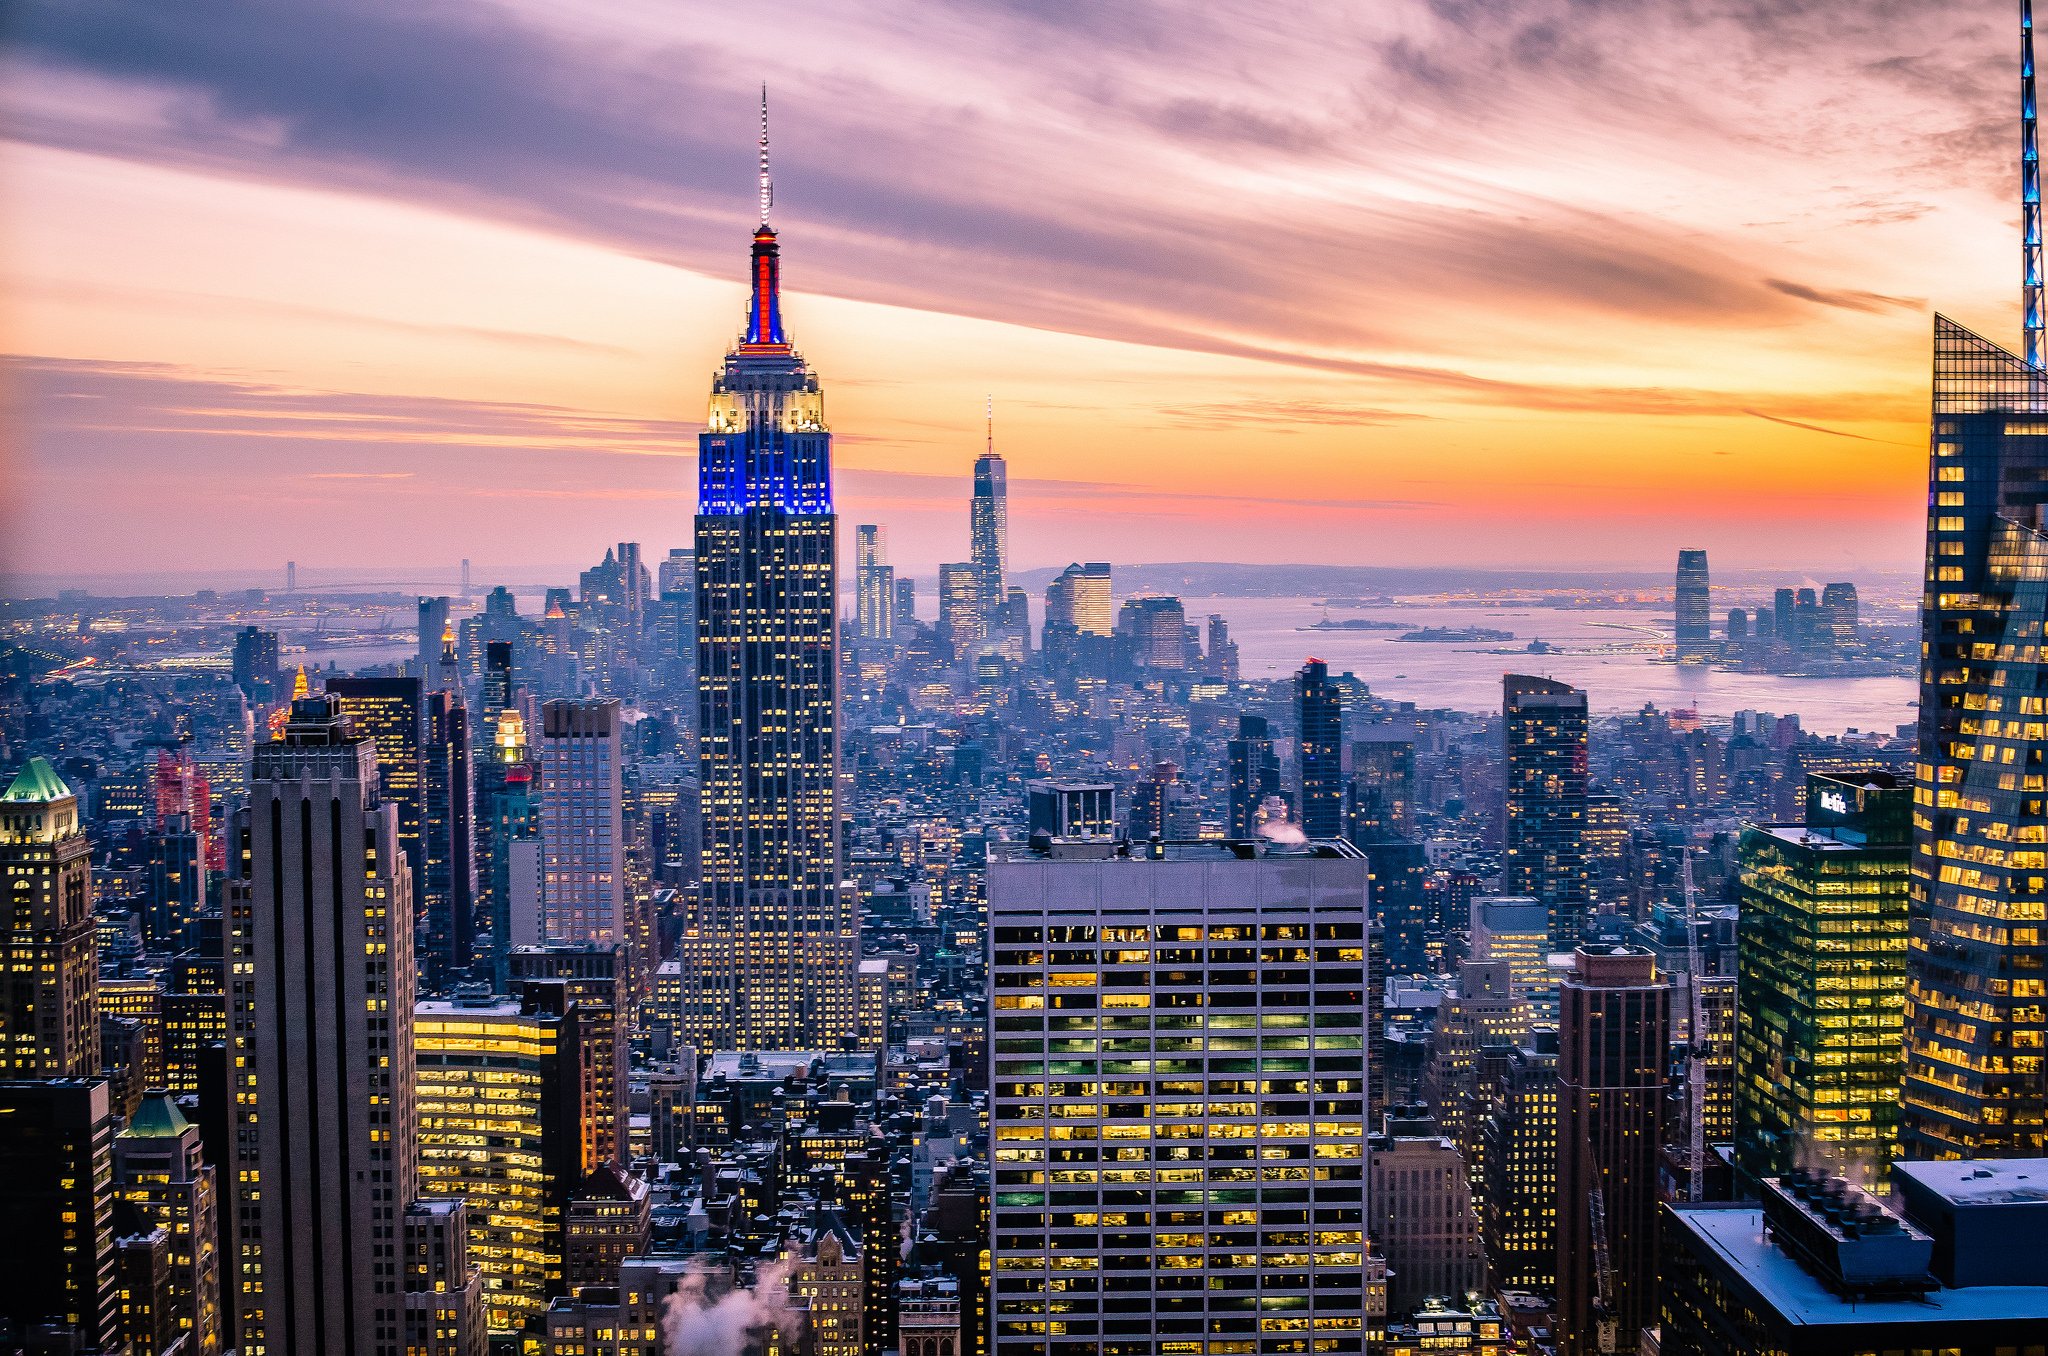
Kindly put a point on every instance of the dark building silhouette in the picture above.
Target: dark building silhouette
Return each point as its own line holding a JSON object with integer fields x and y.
{"x": 1319, "y": 710}
{"x": 1614, "y": 1033}
{"x": 1254, "y": 774}
{"x": 1545, "y": 726}
{"x": 1695, "y": 633}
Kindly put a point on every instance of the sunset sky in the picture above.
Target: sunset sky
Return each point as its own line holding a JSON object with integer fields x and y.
{"x": 1555, "y": 283}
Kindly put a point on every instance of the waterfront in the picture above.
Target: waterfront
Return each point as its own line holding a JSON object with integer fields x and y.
{"x": 1467, "y": 677}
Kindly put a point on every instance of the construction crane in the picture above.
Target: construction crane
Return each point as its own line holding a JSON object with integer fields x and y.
{"x": 1696, "y": 1053}
{"x": 1606, "y": 1326}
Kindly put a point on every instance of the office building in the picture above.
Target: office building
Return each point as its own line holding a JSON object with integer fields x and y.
{"x": 583, "y": 847}
{"x": 1254, "y": 776}
{"x": 1516, "y": 929}
{"x": 1614, "y": 1040}
{"x": 906, "y": 601}
{"x": 963, "y": 615}
{"x": 874, "y": 582}
{"x": 432, "y": 624}
{"x": 1819, "y": 1268}
{"x": 1695, "y": 629}
{"x": 161, "y": 1174}
{"x": 989, "y": 523}
{"x": 1824, "y": 912}
{"x": 254, "y": 663}
{"x": 441, "y": 1319}
{"x": 320, "y": 1004}
{"x": 509, "y": 802}
{"x": 1518, "y": 1134}
{"x": 772, "y": 940}
{"x": 1069, "y": 809}
{"x": 1382, "y": 789}
{"x": 177, "y": 886}
{"x": 392, "y": 713}
{"x": 1969, "y": 1091}
{"x": 591, "y": 985}
{"x": 608, "y": 1220}
{"x": 49, "y": 1010}
{"x": 501, "y": 1105}
{"x": 1080, "y": 597}
{"x": 449, "y": 831}
{"x": 1545, "y": 827}
{"x": 1838, "y": 613}
{"x": 1319, "y": 709}
{"x": 56, "y": 1196}
{"x": 1261, "y": 948}
{"x": 1419, "y": 1212}
{"x": 1152, "y": 633}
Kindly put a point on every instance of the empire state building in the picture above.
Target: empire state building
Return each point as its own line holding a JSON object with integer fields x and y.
{"x": 769, "y": 956}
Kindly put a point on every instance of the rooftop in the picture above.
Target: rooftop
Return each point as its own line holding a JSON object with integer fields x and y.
{"x": 1735, "y": 1238}
{"x": 1982, "y": 1181}
{"x": 36, "y": 782}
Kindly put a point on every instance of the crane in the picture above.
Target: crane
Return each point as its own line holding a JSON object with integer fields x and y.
{"x": 1696, "y": 1054}
{"x": 1605, "y": 1324}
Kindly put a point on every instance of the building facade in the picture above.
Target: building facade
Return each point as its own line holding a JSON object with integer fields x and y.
{"x": 1319, "y": 711}
{"x": 1545, "y": 828}
{"x": 49, "y": 1010}
{"x": 1976, "y": 1082}
{"x": 1820, "y": 982}
{"x": 1695, "y": 616}
{"x": 1211, "y": 1188}
{"x": 583, "y": 834}
{"x": 1614, "y": 1040}
{"x": 772, "y": 943}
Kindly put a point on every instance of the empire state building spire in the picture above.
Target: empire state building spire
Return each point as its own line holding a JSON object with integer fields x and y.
{"x": 764, "y": 309}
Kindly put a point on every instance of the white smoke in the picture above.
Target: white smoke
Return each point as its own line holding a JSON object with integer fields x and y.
{"x": 703, "y": 1319}
{"x": 1282, "y": 831}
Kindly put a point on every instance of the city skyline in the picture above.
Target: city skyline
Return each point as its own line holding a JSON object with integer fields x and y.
{"x": 1541, "y": 310}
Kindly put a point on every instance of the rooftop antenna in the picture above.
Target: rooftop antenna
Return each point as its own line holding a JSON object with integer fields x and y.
{"x": 991, "y": 426}
{"x": 769, "y": 185}
{"x": 2030, "y": 189}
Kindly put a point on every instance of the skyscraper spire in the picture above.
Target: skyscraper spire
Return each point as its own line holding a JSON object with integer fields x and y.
{"x": 764, "y": 309}
{"x": 2030, "y": 191}
{"x": 991, "y": 426}
{"x": 767, "y": 184}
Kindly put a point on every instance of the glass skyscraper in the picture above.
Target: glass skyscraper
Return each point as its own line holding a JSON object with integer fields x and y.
{"x": 1820, "y": 976}
{"x": 1545, "y": 729}
{"x": 1976, "y": 1016}
{"x": 769, "y": 954}
{"x": 1320, "y": 708}
{"x": 1695, "y": 626}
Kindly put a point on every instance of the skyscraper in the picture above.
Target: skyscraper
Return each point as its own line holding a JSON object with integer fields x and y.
{"x": 1613, "y": 1045}
{"x": 1545, "y": 731}
{"x": 57, "y": 1199}
{"x": 1976, "y": 1023}
{"x": 874, "y": 583}
{"x": 1268, "y": 947}
{"x": 1319, "y": 707}
{"x": 583, "y": 888}
{"x": 963, "y": 618}
{"x": 254, "y": 664}
{"x": 1080, "y": 597}
{"x": 989, "y": 536}
{"x": 321, "y": 1048}
{"x": 1820, "y": 982}
{"x": 433, "y": 620}
{"x": 392, "y": 713}
{"x": 772, "y": 943}
{"x": 161, "y": 1172}
{"x": 49, "y": 1005}
{"x": 1695, "y": 634}
{"x": 1254, "y": 775}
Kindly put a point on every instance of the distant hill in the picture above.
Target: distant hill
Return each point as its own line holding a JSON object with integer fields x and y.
{"x": 1216, "y": 579}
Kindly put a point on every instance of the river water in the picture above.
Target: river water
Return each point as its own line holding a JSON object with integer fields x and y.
{"x": 1466, "y": 676}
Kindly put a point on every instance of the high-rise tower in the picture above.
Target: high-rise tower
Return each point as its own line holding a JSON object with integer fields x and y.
{"x": 1976, "y": 1086}
{"x": 771, "y": 947}
{"x": 49, "y": 1009}
{"x": 990, "y": 525}
{"x": 874, "y": 582}
{"x": 320, "y": 1021}
{"x": 1320, "y": 707}
{"x": 1695, "y": 631}
{"x": 1544, "y": 723}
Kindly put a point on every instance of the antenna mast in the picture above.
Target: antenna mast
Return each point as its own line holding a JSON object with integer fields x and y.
{"x": 2030, "y": 190}
{"x": 769, "y": 185}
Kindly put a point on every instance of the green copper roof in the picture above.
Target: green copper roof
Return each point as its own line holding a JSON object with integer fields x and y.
{"x": 157, "y": 1118}
{"x": 37, "y": 782}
